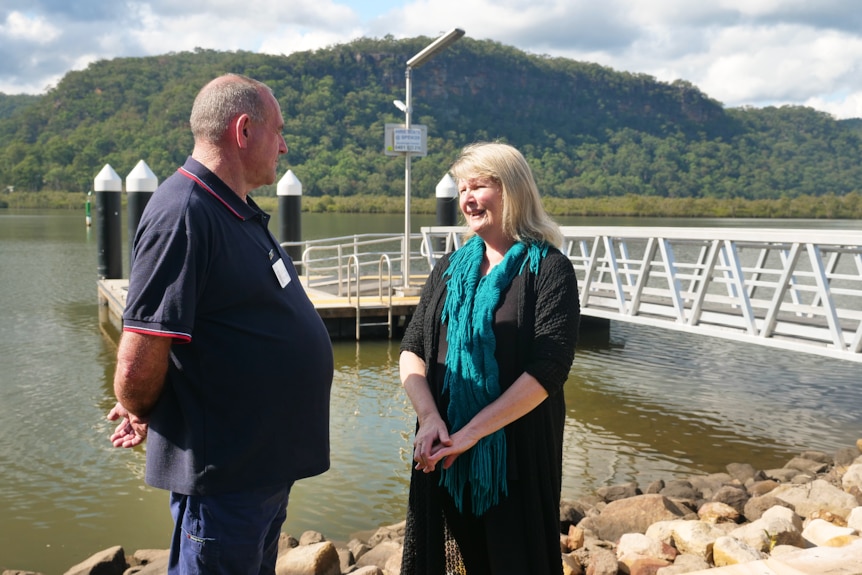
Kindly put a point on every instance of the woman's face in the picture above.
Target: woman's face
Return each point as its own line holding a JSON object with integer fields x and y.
{"x": 481, "y": 202}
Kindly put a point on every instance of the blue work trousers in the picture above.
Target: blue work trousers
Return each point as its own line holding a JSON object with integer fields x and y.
{"x": 230, "y": 533}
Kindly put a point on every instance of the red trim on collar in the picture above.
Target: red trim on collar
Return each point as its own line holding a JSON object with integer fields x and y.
{"x": 212, "y": 192}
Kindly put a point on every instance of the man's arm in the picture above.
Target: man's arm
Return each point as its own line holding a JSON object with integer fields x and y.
{"x": 142, "y": 362}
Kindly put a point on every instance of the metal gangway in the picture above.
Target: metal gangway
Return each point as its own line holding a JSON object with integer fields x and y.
{"x": 794, "y": 289}
{"x": 358, "y": 277}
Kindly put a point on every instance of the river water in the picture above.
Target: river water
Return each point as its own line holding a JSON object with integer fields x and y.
{"x": 643, "y": 404}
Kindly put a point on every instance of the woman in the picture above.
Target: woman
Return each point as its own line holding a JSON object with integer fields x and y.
{"x": 484, "y": 360}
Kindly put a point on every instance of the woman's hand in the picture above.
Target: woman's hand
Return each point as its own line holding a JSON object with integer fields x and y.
{"x": 431, "y": 437}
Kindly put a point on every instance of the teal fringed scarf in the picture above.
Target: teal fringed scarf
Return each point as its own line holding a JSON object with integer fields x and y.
{"x": 472, "y": 375}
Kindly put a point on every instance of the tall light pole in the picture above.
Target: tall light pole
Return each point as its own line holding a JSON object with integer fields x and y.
{"x": 419, "y": 59}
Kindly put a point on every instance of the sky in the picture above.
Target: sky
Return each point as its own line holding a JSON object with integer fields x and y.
{"x": 739, "y": 52}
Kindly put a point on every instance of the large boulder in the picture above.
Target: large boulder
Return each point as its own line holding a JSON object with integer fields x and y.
{"x": 731, "y": 551}
{"x": 314, "y": 559}
{"x": 111, "y": 561}
{"x": 816, "y": 496}
{"x": 632, "y": 515}
{"x": 696, "y": 537}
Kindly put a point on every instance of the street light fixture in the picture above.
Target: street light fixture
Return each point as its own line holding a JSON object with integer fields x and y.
{"x": 416, "y": 61}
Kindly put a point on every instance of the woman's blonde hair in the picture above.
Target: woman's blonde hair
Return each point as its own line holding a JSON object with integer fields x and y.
{"x": 524, "y": 216}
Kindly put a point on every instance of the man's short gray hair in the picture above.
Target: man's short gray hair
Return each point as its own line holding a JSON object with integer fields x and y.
{"x": 223, "y": 99}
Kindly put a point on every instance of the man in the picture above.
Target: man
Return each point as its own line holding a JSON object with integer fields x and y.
{"x": 223, "y": 360}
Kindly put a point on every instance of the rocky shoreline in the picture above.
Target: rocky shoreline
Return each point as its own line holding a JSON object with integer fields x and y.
{"x": 682, "y": 526}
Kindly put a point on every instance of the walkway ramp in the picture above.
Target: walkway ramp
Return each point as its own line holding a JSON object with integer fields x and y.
{"x": 793, "y": 289}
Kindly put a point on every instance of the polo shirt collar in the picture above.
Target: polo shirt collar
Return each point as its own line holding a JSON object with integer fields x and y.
{"x": 212, "y": 184}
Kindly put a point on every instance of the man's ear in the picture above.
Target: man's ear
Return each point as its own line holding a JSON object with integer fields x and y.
{"x": 241, "y": 131}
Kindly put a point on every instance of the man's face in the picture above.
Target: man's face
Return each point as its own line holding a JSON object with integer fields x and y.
{"x": 266, "y": 144}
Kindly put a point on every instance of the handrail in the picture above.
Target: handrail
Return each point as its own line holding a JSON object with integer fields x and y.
{"x": 354, "y": 267}
{"x": 324, "y": 261}
{"x": 438, "y": 240}
{"x": 794, "y": 289}
{"x": 385, "y": 259}
{"x": 355, "y": 261}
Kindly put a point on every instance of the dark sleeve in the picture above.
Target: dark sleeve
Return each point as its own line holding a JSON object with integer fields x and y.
{"x": 414, "y": 339}
{"x": 165, "y": 276}
{"x": 557, "y": 313}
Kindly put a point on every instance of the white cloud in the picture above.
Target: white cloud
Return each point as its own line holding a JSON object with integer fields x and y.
{"x": 21, "y": 27}
{"x": 740, "y": 52}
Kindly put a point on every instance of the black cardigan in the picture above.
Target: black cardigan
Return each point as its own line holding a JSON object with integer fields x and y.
{"x": 548, "y": 316}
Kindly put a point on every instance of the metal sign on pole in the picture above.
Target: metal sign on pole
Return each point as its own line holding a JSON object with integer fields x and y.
{"x": 398, "y": 140}
{"x": 408, "y": 140}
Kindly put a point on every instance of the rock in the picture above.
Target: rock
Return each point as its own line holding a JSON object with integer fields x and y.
{"x": 854, "y": 520}
{"x": 818, "y": 456}
{"x": 782, "y": 475}
{"x": 784, "y": 513}
{"x": 314, "y": 559}
{"x": 571, "y": 566}
{"x": 731, "y": 551}
{"x": 824, "y": 534}
{"x": 149, "y": 562}
{"x": 367, "y": 570}
{"x": 826, "y": 560}
{"x": 852, "y": 477}
{"x": 662, "y": 531}
{"x": 742, "y": 472}
{"x": 111, "y": 561}
{"x": 803, "y": 477}
{"x": 646, "y": 566}
{"x": 632, "y": 515}
{"x": 756, "y": 506}
{"x": 311, "y": 537}
{"x": 830, "y": 517}
{"x": 680, "y": 489}
{"x": 696, "y": 538}
{"x": 393, "y": 564}
{"x": 718, "y": 512}
{"x": 806, "y": 465}
{"x": 685, "y": 564}
{"x": 380, "y": 554}
{"x": 346, "y": 560}
{"x": 357, "y": 548}
{"x": 708, "y": 485}
{"x": 735, "y": 497}
{"x": 571, "y": 513}
{"x": 769, "y": 531}
{"x": 602, "y": 562}
{"x": 393, "y": 532}
{"x": 617, "y": 492}
{"x": 760, "y": 488}
{"x": 655, "y": 487}
{"x": 632, "y": 545}
{"x": 815, "y": 496}
{"x": 286, "y": 543}
{"x": 846, "y": 456}
{"x": 575, "y": 538}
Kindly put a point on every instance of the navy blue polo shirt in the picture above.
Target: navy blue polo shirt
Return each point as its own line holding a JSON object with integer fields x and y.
{"x": 246, "y": 399}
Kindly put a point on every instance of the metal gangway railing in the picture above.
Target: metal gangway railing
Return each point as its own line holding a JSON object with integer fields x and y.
{"x": 361, "y": 269}
{"x": 794, "y": 289}
{"x": 327, "y": 262}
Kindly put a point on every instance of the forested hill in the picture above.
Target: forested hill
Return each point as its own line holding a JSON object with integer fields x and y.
{"x": 587, "y": 130}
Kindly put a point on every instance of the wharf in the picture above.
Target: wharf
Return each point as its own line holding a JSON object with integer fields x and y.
{"x": 345, "y": 317}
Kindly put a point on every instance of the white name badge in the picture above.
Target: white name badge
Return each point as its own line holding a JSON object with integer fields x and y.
{"x": 281, "y": 272}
